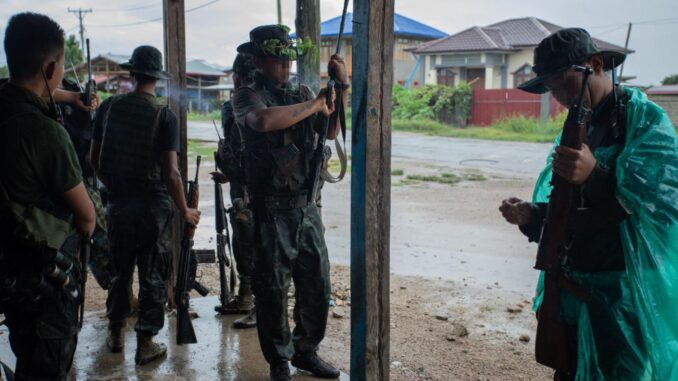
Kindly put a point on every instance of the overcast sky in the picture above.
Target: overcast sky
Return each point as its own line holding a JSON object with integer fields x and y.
{"x": 215, "y": 30}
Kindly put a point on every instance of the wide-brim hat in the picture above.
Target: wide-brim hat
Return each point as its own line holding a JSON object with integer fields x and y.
{"x": 563, "y": 49}
{"x": 146, "y": 60}
{"x": 271, "y": 41}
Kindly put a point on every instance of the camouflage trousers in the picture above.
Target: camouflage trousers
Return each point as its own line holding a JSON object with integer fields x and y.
{"x": 139, "y": 232}
{"x": 43, "y": 336}
{"x": 290, "y": 246}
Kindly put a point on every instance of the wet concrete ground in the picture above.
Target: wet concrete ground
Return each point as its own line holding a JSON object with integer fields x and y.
{"x": 222, "y": 353}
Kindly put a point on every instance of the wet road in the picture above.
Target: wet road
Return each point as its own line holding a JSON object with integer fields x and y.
{"x": 515, "y": 159}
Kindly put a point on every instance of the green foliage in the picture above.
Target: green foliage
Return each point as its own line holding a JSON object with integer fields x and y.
{"x": 104, "y": 95}
{"x": 214, "y": 115}
{"x": 670, "y": 80}
{"x": 291, "y": 49}
{"x": 518, "y": 128}
{"x": 4, "y": 71}
{"x": 397, "y": 172}
{"x": 72, "y": 53}
{"x": 444, "y": 103}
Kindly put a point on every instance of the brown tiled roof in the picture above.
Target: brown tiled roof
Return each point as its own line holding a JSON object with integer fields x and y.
{"x": 507, "y": 35}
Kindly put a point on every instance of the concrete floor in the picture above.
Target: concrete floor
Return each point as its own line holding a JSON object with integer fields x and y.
{"x": 221, "y": 353}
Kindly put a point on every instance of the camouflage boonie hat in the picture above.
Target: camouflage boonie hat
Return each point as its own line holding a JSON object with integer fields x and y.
{"x": 274, "y": 41}
{"x": 559, "y": 51}
{"x": 243, "y": 66}
{"x": 146, "y": 60}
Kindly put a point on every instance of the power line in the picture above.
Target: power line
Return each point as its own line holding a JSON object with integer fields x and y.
{"x": 81, "y": 15}
{"x": 669, "y": 20}
{"x": 153, "y": 19}
{"x": 139, "y": 7}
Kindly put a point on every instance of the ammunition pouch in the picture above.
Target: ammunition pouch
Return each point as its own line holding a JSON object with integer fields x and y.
{"x": 290, "y": 167}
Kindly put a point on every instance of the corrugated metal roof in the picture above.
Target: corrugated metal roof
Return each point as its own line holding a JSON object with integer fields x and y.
{"x": 665, "y": 89}
{"x": 505, "y": 35}
{"x": 193, "y": 67}
{"x": 402, "y": 27}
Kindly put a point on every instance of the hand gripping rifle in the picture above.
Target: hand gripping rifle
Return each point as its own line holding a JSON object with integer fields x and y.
{"x": 221, "y": 224}
{"x": 319, "y": 153}
{"x": 551, "y": 342}
{"x": 182, "y": 296}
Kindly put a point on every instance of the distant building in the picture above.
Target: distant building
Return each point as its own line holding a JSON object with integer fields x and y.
{"x": 207, "y": 85}
{"x": 408, "y": 33}
{"x": 497, "y": 56}
{"x": 667, "y": 97}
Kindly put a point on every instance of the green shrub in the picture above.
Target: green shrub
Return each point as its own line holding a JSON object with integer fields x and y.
{"x": 443, "y": 103}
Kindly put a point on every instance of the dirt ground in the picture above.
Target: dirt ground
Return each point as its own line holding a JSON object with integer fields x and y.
{"x": 454, "y": 324}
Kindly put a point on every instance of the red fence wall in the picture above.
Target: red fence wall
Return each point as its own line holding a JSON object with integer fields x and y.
{"x": 490, "y": 105}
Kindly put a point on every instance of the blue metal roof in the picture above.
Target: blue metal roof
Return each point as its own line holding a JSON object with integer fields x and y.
{"x": 402, "y": 27}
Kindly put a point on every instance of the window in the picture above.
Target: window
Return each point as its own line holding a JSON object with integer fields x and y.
{"x": 445, "y": 77}
{"x": 522, "y": 75}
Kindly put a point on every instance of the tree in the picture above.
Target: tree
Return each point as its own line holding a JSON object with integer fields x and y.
{"x": 670, "y": 80}
{"x": 72, "y": 52}
{"x": 4, "y": 71}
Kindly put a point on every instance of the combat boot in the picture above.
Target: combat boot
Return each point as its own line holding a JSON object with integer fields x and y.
{"x": 242, "y": 303}
{"x": 247, "y": 321}
{"x": 280, "y": 372}
{"x": 315, "y": 365}
{"x": 147, "y": 350}
{"x": 116, "y": 338}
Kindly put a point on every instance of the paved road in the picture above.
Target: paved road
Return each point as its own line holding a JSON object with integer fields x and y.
{"x": 514, "y": 159}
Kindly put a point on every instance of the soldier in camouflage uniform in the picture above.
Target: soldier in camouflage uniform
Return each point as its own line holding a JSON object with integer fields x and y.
{"x": 229, "y": 161}
{"x": 279, "y": 122}
{"x": 134, "y": 150}
{"x": 41, "y": 192}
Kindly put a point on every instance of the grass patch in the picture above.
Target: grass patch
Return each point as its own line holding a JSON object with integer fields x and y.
{"x": 214, "y": 115}
{"x": 397, "y": 172}
{"x": 406, "y": 182}
{"x": 474, "y": 177}
{"x": 518, "y": 128}
{"x": 445, "y": 178}
{"x": 204, "y": 149}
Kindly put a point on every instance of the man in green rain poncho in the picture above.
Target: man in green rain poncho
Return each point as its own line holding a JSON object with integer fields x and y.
{"x": 622, "y": 245}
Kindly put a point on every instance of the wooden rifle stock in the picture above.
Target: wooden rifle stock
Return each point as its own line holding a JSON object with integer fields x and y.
{"x": 185, "y": 331}
{"x": 552, "y": 345}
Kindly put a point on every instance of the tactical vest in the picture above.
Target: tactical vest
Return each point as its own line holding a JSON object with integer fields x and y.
{"x": 128, "y": 147}
{"x": 278, "y": 162}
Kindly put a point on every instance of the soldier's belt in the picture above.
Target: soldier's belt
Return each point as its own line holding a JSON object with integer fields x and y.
{"x": 284, "y": 202}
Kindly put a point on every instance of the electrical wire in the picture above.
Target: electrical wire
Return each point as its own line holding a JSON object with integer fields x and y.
{"x": 153, "y": 19}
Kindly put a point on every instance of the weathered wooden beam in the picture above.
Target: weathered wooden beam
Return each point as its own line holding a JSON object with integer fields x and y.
{"x": 370, "y": 188}
{"x": 307, "y": 25}
{"x": 175, "y": 63}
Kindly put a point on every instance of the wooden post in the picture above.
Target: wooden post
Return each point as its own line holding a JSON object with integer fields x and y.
{"x": 370, "y": 188}
{"x": 307, "y": 24}
{"x": 175, "y": 59}
{"x": 175, "y": 63}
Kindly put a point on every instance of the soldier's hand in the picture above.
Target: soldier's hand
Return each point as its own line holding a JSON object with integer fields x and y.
{"x": 337, "y": 67}
{"x": 219, "y": 177}
{"x": 94, "y": 102}
{"x": 191, "y": 216}
{"x": 516, "y": 211}
{"x": 575, "y": 166}
{"x": 321, "y": 100}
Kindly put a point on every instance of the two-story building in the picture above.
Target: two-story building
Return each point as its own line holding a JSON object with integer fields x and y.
{"x": 497, "y": 56}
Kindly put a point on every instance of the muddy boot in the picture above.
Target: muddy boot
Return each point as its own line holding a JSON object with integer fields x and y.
{"x": 147, "y": 350}
{"x": 247, "y": 321}
{"x": 315, "y": 365}
{"x": 242, "y": 303}
{"x": 280, "y": 372}
{"x": 115, "y": 341}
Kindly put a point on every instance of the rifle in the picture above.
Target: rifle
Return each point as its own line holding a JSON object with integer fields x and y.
{"x": 85, "y": 247}
{"x": 551, "y": 344}
{"x": 221, "y": 225}
{"x": 89, "y": 86}
{"x": 319, "y": 154}
{"x": 182, "y": 297}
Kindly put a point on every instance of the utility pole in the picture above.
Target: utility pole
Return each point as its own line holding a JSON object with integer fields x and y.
{"x": 308, "y": 26}
{"x": 81, "y": 15}
{"x": 626, "y": 46}
{"x": 279, "y": 14}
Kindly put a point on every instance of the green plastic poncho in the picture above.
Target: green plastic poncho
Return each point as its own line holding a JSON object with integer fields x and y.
{"x": 629, "y": 330}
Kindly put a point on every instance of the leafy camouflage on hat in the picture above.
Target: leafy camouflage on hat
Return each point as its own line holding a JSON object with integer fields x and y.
{"x": 274, "y": 41}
